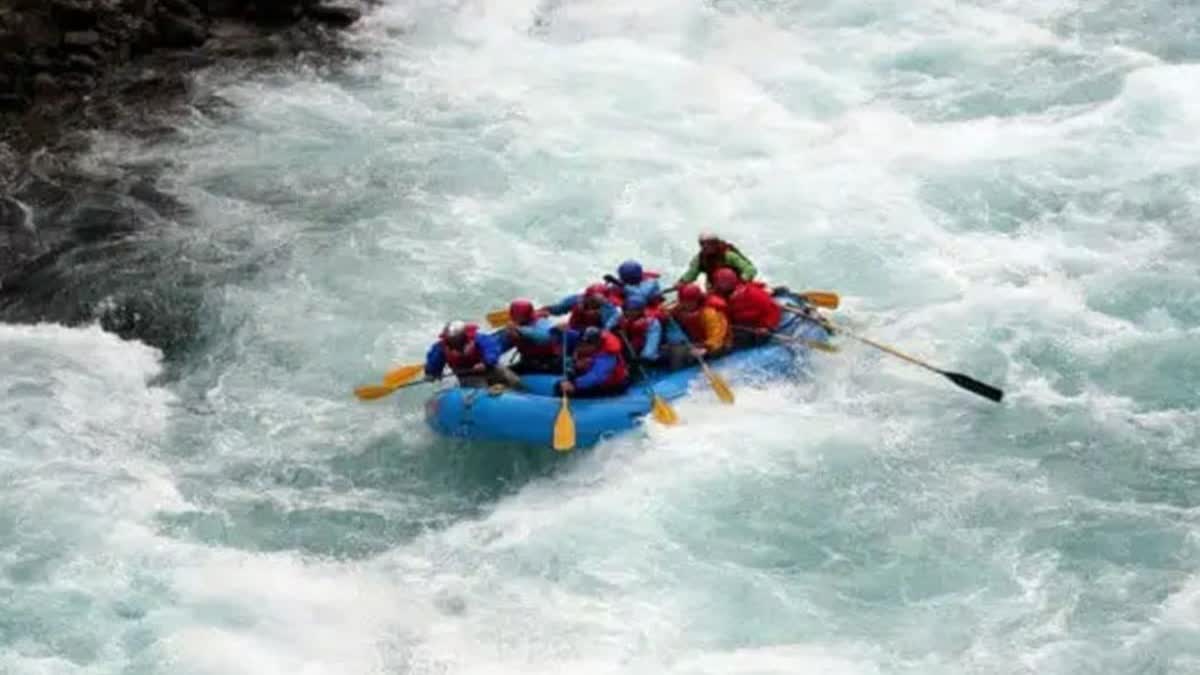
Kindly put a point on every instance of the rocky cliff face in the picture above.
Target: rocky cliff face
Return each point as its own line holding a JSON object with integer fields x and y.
{"x": 52, "y": 48}
{"x": 69, "y": 67}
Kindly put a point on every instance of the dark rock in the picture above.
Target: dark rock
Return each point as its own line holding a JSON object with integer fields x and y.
{"x": 44, "y": 84}
{"x": 334, "y": 15}
{"x": 38, "y": 30}
{"x": 275, "y": 11}
{"x": 41, "y": 61}
{"x": 78, "y": 82}
{"x": 74, "y": 14}
{"x": 177, "y": 31}
{"x": 225, "y": 7}
{"x": 13, "y": 102}
{"x": 81, "y": 63}
{"x": 81, "y": 39}
{"x": 181, "y": 8}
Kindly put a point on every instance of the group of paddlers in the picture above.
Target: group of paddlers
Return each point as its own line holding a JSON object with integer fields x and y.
{"x": 615, "y": 328}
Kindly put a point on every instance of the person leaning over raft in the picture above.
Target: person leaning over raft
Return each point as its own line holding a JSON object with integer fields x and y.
{"x": 752, "y": 311}
{"x": 473, "y": 356}
{"x": 598, "y": 365}
{"x": 528, "y": 332}
{"x": 591, "y": 308}
{"x": 642, "y": 327}
{"x": 638, "y": 283}
{"x": 696, "y": 326}
{"x": 714, "y": 254}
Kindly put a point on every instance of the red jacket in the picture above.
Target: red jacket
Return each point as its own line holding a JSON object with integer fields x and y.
{"x": 751, "y": 305}
{"x": 636, "y": 329}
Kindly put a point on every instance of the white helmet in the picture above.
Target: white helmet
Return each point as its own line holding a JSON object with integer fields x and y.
{"x": 455, "y": 329}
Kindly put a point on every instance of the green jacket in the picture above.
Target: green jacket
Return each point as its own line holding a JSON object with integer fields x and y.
{"x": 740, "y": 263}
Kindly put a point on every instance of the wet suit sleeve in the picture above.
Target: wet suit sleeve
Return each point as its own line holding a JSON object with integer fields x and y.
{"x": 538, "y": 332}
{"x": 489, "y": 350}
{"x": 602, "y": 367}
{"x": 563, "y": 306}
{"x": 716, "y": 329}
{"x": 742, "y": 264}
{"x": 610, "y": 316}
{"x": 653, "y": 337}
{"x": 435, "y": 360}
{"x": 692, "y": 273}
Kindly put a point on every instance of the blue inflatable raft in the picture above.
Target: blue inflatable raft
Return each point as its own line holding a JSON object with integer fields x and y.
{"x": 528, "y": 417}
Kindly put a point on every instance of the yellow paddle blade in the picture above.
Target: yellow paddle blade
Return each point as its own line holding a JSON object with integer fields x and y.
{"x": 370, "y": 392}
{"x": 564, "y": 428}
{"x": 663, "y": 412}
{"x": 822, "y": 299}
{"x": 498, "y": 318}
{"x": 822, "y": 346}
{"x": 721, "y": 387}
{"x": 402, "y": 375}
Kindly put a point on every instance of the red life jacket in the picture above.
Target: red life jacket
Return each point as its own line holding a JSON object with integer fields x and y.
{"x": 609, "y": 344}
{"x": 636, "y": 329}
{"x": 466, "y": 357}
{"x": 529, "y": 348}
{"x": 751, "y": 305}
{"x": 581, "y": 317}
{"x": 693, "y": 322}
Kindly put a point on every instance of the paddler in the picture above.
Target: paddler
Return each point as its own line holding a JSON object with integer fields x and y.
{"x": 590, "y": 308}
{"x": 696, "y": 326}
{"x": 714, "y": 254}
{"x": 634, "y": 282}
{"x": 750, "y": 307}
{"x": 642, "y": 327}
{"x": 528, "y": 332}
{"x": 473, "y": 356}
{"x": 598, "y": 367}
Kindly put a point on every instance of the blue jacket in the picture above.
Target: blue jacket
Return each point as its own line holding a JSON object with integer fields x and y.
{"x": 489, "y": 352}
{"x": 609, "y": 313}
{"x": 648, "y": 289}
{"x": 537, "y": 332}
{"x": 674, "y": 333}
{"x": 602, "y": 364}
{"x": 654, "y": 334}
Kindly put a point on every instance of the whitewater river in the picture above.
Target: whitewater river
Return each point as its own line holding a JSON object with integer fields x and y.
{"x": 1005, "y": 188}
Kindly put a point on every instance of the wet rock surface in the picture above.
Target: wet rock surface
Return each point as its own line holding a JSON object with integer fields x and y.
{"x": 82, "y": 244}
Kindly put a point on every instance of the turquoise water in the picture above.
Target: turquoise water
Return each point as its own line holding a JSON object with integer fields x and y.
{"x": 1007, "y": 189}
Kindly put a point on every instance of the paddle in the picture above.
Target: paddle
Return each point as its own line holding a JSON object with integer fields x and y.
{"x": 564, "y": 424}
{"x": 370, "y": 392}
{"x": 724, "y": 393}
{"x": 662, "y": 412}
{"x": 822, "y": 346}
{"x": 393, "y": 380}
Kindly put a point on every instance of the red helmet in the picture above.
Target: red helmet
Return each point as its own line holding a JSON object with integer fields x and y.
{"x": 725, "y": 280}
{"x": 521, "y": 311}
{"x": 596, "y": 289}
{"x": 691, "y": 293}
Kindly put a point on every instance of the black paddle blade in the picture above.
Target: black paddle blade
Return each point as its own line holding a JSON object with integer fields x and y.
{"x": 973, "y": 385}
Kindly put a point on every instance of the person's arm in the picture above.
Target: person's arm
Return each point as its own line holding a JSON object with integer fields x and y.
{"x": 610, "y": 316}
{"x": 563, "y": 306}
{"x": 602, "y": 366}
{"x": 538, "y": 332}
{"x": 653, "y": 337}
{"x": 435, "y": 361}
{"x": 741, "y": 264}
{"x": 716, "y": 329}
{"x": 692, "y": 273}
{"x": 675, "y": 334}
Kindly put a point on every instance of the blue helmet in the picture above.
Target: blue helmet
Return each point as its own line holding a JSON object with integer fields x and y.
{"x": 630, "y": 272}
{"x": 591, "y": 335}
